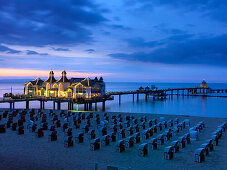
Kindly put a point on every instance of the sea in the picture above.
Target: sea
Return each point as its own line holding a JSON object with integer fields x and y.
{"x": 174, "y": 105}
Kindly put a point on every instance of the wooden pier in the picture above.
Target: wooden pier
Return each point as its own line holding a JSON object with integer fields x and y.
{"x": 163, "y": 93}
{"x": 155, "y": 94}
{"x": 71, "y": 101}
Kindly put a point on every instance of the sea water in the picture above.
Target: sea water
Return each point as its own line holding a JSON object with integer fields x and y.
{"x": 178, "y": 105}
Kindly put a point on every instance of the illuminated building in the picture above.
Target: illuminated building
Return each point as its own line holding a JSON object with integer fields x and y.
{"x": 203, "y": 84}
{"x": 67, "y": 88}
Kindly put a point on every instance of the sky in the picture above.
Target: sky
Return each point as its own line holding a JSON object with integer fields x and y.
{"x": 120, "y": 40}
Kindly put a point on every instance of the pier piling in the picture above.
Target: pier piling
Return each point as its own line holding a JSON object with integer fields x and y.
{"x": 103, "y": 106}
{"x": 27, "y": 104}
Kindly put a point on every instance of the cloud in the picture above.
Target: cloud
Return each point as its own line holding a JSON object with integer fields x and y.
{"x": 51, "y": 22}
{"x": 117, "y": 26}
{"x": 90, "y": 50}
{"x": 29, "y": 52}
{"x": 165, "y": 29}
{"x": 61, "y": 49}
{"x": 204, "y": 50}
{"x": 140, "y": 42}
{"x": 211, "y": 8}
{"x": 8, "y": 50}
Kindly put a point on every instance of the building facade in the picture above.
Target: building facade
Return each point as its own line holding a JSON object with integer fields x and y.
{"x": 85, "y": 88}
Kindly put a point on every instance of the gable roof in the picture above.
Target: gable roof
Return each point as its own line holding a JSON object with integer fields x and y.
{"x": 37, "y": 81}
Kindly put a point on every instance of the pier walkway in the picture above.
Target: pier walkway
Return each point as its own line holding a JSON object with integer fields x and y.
{"x": 156, "y": 94}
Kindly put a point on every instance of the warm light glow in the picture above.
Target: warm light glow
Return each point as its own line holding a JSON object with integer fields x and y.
{"x": 43, "y": 73}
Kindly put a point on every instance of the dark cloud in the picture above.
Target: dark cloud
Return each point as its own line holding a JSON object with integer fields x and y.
{"x": 117, "y": 26}
{"x": 8, "y": 50}
{"x": 29, "y": 52}
{"x": 140, "y": 42}
{"x": 207, "y": 51}
{"x": 90, "y": 50}
{"x": 164, "y": 28}
{"x": 48, "y": 22}
{"x": 61, "y": 49}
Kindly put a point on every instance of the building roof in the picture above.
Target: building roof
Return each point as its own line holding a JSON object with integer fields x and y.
{"x": 37, "y": 81}
{"x": 63, "y": 77}
{"x": 51, "y": 78}
{"x": 76, "y": 80}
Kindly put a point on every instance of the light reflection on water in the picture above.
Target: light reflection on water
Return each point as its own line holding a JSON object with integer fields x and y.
{"x": 193, "y": 105}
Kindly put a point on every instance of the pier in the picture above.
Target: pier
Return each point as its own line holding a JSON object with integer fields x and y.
{"x": 162, "y": 93}
{"x": 88, "y": 103}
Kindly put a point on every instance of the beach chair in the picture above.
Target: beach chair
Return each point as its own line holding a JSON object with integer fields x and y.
{"x": 39, "y": 132}
{"x": 193, "y": 135}
{"x": 155, "y": 128}
{"x": 58, "y": 123}
{"x": 79, "y": 137}
{"x": 210, "y": 144}
{"x": 152, "y": 144}
{"x": 68, "y": 132}
{"x": 146, "y": 134}
{"x": 105, "y": 140}
{"x": 150, "y": 123}
{"x": 129, "y": 142}
{"x": 120, "y": 146}
{"x": 52, "y": 128}
{"x": 176, "y": 121}
{"x": 104, "y": 131}
{"x": 129, "y": 131}
{"x": 68, "y": 141}
{"x": 206, "y": 147}
{"x": 160, "y": 139}
{"x": 170, "y": 123}
{"x": 187, "y": 137}
{"x": 122, "y": 134}
{"x": 52, "y": 136}
{"x": 136, "y": 127}
{"x": 113, "y": 137}
{"x": 187, "y": 122}
{"x": 86, "y": 129}
{"x": 168, "y": 152}
{"x": 176, "y": 145}
{"x": 159, "y": 127}
{"x": 114, "y": 128}
{"x": 151, "y": 131}
{"x": 91, "y": 134}
{"x": 65, "y": 126}
{"x": 14, "y": 126}
{"x": 200, "y": 155}
{"x": 168, "y": 134}
{"x": 135, "y": 121}
{"x": 142, "y": 126}
{"x": 33, "y": 128}
{"x": 136, "y": 137}
{"x": 182, "y": 141}
{"x": 143, "y": 149}
{"x": 215, "y": 139}
{"x": 5, "y": 113}
{"x": 20, "y": 130}
{"x": 95, "y": 144}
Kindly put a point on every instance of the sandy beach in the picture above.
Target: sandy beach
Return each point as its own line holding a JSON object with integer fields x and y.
{"x": 27, "y": 151}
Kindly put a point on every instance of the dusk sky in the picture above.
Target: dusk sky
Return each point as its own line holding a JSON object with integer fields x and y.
{"x": 121, "y": 40}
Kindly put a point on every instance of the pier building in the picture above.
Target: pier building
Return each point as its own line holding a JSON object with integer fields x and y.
{"x": 85, "y": 88}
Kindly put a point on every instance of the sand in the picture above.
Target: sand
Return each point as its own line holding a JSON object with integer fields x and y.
{"x": 29, "y": 152}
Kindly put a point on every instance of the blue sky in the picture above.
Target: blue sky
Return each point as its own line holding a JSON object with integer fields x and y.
{"x": 121, "y": 40}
